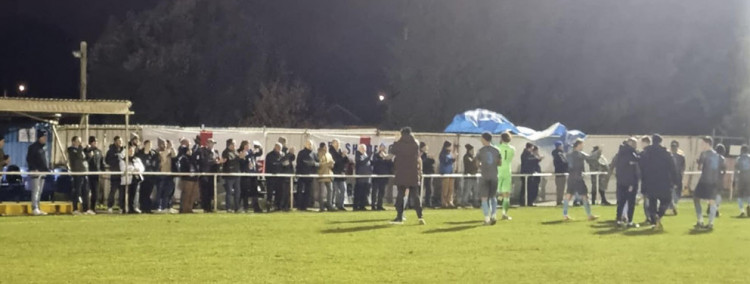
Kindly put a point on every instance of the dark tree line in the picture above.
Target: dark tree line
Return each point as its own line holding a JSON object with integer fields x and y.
{"x": 600, "y": 66}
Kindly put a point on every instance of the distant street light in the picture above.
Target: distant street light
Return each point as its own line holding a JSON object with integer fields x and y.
{"x": 21, "y": 88}
{"x": 381, "y": 98}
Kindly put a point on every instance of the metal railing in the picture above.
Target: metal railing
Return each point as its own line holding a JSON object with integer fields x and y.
{"x": 689, "y": 176}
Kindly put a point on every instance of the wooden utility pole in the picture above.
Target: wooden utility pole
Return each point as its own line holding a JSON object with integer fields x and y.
{"x": 82, "y": 54}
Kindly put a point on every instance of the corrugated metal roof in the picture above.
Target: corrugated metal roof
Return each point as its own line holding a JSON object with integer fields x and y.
{"x": 64, "y": 106}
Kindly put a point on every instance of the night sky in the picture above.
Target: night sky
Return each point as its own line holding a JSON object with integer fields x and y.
{"x": 38, "y": 37}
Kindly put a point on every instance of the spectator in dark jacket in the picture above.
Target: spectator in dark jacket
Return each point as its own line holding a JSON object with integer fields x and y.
{"x": 152, "y": 163}
{"x": 658, "y": 178}
{"x": 381, "y": 165}
{"x": 469, "y": 192}
{"x": 408, "y": 170}
{"x": 561, "y": 167}
{"x": 625, "y": 166}
{"x": 273, "y": 166}
{"x": 249, "y": 164}
{"x": 231, "y": 165}
{"x": 431, "y": 193}
{"x": 529, "y": 163}
{"x": 306, "y": 165}
{"x": 534, "y": 181}
{"x": 340, "y": 160}
{"x": 36, "y": 160}
{"x": 679, "y": 162}
{"x": 78, "y": 164}
{"x": 96, "y": 164}
{"x": 447, "y": 159}
{"x": 287, "y": 167}
{"x": 208, "y": 161}
{"x": 362, "y": 187}
{"x": 114, "y": 155}
{"x": 186, "y": 163}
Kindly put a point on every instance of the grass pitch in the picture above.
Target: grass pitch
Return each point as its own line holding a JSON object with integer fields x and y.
{"x": 349, "y": 247}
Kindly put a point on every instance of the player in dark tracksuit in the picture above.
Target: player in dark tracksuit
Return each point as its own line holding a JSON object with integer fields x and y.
{"x": 625, "y": 165}
{"x": 658, "y": 178}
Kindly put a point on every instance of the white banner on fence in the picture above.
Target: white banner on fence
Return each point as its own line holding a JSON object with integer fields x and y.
{"x": 220, "y": 136}
{"x": 351, "y": 142}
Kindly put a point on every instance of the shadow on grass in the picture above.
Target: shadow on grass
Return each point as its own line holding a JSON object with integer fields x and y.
{"x": 558, "y": 222}
{"x": 699, "y": 232}
{"x": 607, "y": 222}
{"x": 602, "y": 226}
{"x": 451, "y": 229}
{"x": 611, "y": 231}
{"x": 646, "y": 232}
{"x": 464, "y": 222}
{"x": 355, "y": 229}
{"x": 360, "y": 221}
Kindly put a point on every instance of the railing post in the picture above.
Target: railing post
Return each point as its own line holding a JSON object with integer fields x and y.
{"x": 291, "y": 192}
{"x": 526, "y": 190}
{"x": 421, "y": 189}
{"x": 216, "y": 192}
{"x": 598, "y": 188}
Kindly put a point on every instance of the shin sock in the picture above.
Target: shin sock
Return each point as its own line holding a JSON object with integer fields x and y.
{"x": 493, "y": 208}
{"x": 712, "y": 213}
{"x": 486, "y": 208}
{"x": 506, "y": 205}
{"x": 565, "y": 207}
{"x": 698, "y": 210}
{"x": 587, "y": 207}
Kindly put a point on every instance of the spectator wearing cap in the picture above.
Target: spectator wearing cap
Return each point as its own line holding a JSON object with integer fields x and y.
{"x": 679, "y": 163}
{"x": 561, "y": 168}
{"x": 231, "y": 165}
{"x": 78, "y": 164}
{"x": 468, "y": 193}
{"x": 165, "y": 189}
{"x": 36, "y": 159}
{"x": 96, "y": 164}
{"x": 207, "y": 158}
{"x": 114, "y": 155}
{"x": 447, "y": 160}
{"x": 152, "y": 163}
{"x": 381, "y": 165}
